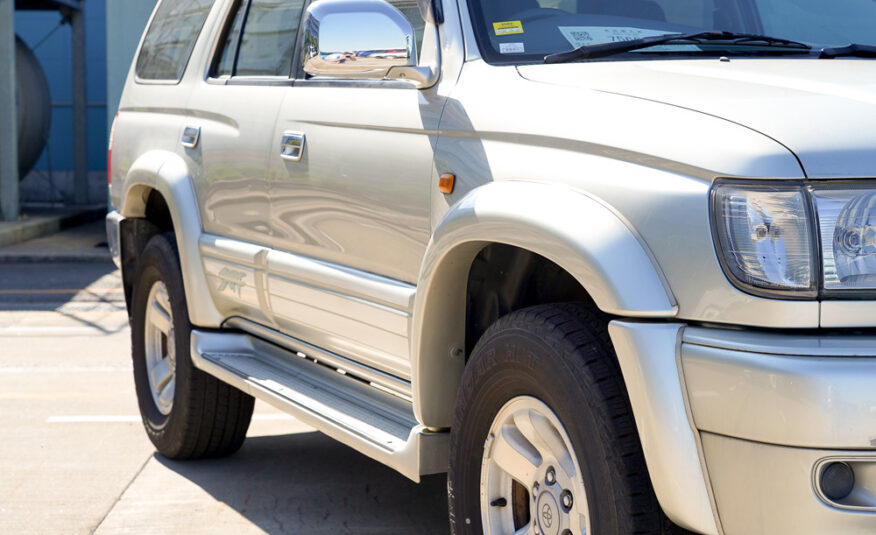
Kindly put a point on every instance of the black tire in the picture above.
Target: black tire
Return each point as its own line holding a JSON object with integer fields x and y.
{"x": 567, "y": 363}
{"x": 208, "y": 418}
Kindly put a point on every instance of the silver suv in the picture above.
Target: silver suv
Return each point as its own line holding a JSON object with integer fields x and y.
{"x": 607, "y": 263}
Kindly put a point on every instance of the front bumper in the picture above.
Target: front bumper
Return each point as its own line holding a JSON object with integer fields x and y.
{"x": 113, "y": 219}
{"x": 770, "y": 410}
{"x": 737, "y": 425}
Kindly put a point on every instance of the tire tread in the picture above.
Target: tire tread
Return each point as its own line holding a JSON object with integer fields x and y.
{"x": 212, "y": 417}
{"x": 579, "y": 334}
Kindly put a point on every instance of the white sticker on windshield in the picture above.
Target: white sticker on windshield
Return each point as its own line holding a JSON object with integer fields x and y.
{"x": 511, "y": 48}
{"x": 591, "y": 35}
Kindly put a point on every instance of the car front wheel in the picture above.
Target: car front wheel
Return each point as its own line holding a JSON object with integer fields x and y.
{"x": 543, "y": 440}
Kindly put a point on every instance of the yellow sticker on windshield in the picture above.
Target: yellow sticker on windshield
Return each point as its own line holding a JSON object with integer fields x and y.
{"x": 508, "y": 28}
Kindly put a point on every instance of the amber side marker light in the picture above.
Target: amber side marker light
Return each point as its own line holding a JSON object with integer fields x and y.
{"x": 446, "y": 183}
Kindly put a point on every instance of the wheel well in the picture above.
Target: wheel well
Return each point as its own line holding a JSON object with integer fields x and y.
{"x": 504, "y": 278}
{"x": 135, "y": 233}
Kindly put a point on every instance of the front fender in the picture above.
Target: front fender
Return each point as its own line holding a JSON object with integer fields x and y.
{"x": 169, "y": 175}
{"x": 581, "y": 234}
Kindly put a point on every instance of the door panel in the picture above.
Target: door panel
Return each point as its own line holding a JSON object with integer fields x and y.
{"x": 359, "y": 197}
{"x": 355, "y": 314}
{"x": 358, "y": 200}
{"x": 235, "y": 110}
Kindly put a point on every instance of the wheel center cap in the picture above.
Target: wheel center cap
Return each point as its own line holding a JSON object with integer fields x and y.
{"x": 547, "y": 511}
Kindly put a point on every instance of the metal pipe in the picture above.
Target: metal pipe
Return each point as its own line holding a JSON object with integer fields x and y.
{"x": 80, "y": 115}
{"x": 9, "y": 201}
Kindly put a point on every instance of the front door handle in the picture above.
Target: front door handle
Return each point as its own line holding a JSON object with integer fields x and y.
{"x": 292, "y": 146}
{"x": 191, "y": 136}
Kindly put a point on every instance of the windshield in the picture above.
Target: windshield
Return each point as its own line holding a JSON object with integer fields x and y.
{"x": 519, "y": 31}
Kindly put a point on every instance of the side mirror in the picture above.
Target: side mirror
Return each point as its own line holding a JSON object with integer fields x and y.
{"x": 359, "y": 39}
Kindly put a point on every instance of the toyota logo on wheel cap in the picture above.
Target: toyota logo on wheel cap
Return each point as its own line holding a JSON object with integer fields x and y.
{"x": 547, "y": 516}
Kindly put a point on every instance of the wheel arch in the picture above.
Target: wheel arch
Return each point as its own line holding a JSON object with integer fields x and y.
{"x": 159, "y": 197}
{"x": 580, "y": 234}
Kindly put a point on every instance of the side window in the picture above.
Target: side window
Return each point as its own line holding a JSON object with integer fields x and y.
{"x": 411, "y": 10}
{"x": 261, "y": 39}
{"x": 171, "y": 38}
{"x": 229, "y": 50}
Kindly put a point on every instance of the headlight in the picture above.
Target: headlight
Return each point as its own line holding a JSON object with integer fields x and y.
{"x": 847, "y": 232}
{"x": 765, "y": 238}
{"x": 770, "y": 238}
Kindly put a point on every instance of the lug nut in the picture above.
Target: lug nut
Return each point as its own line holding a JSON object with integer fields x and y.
{"x": 566, "y": 532}
{"x": 551, "y": 476}
{"x": 535, "y": 492}
{"x": 566, "y": 498}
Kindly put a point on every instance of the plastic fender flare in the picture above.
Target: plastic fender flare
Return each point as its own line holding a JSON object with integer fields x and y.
{"x": 577, "y": 232}
{"x": 168, "y": 174}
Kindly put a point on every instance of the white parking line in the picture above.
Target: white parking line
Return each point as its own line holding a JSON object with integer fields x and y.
{"x": 37, "y": 330}
{"x": 63, "y": 369}
{"x": 109, "y": 419}
{"x": 91, "y": 419}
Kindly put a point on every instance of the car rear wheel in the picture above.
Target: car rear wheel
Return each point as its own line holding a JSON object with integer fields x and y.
{"x": 186, "y": 412}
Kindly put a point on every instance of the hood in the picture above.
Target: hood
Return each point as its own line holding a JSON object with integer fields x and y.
{"x": 824, "y": 111}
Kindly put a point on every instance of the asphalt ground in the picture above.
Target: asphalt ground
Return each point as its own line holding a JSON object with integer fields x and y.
{"x": 75, "y": 459}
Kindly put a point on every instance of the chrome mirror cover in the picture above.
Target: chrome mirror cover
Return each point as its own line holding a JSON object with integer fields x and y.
{"x": 358, "y": 39}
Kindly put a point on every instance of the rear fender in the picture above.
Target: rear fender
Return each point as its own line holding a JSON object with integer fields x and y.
{"x": 169, "y": 175}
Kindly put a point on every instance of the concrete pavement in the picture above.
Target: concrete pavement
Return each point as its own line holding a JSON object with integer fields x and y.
{"x": 35, "y": 223}
{"x": 81, "y": 243}
{"x": 75, "y": 459}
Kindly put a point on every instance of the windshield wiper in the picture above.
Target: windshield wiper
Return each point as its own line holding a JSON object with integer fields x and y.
{"x": 853, "y": 50}
{"x": 603, "y": 50}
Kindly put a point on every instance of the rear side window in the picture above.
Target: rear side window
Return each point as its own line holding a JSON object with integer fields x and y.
{"x": 261, "y": 39}
{"x": 171, "y": 38}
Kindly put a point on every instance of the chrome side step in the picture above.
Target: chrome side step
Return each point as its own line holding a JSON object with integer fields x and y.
{"x": 368, "y": 374}
{"x": 375, "y": 422}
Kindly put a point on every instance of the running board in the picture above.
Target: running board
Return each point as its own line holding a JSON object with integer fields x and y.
{"x": 372, "y": 421}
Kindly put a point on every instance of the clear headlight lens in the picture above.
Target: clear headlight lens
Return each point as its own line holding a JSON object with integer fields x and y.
{"x": 765, "y": 237}
{"x": 847, "y": 228}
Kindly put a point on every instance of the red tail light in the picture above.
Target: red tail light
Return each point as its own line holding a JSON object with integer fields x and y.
{"x": 109, "y": 154}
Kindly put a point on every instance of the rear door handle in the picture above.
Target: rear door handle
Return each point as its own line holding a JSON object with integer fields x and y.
{"x": 191, "y": 136}
{"x": 292, "y": 146}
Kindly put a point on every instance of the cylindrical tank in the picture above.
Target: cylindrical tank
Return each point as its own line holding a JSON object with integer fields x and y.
{"x": 34, "y": 107}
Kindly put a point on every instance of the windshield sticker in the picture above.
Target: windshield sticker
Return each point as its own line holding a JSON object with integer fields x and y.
{"x": 510, "y": 27}
{"x": 511, "y": 48}
{"x": 590, "y": 35}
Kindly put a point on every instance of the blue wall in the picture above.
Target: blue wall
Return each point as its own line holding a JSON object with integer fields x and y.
{"x": 55, "y": 56}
